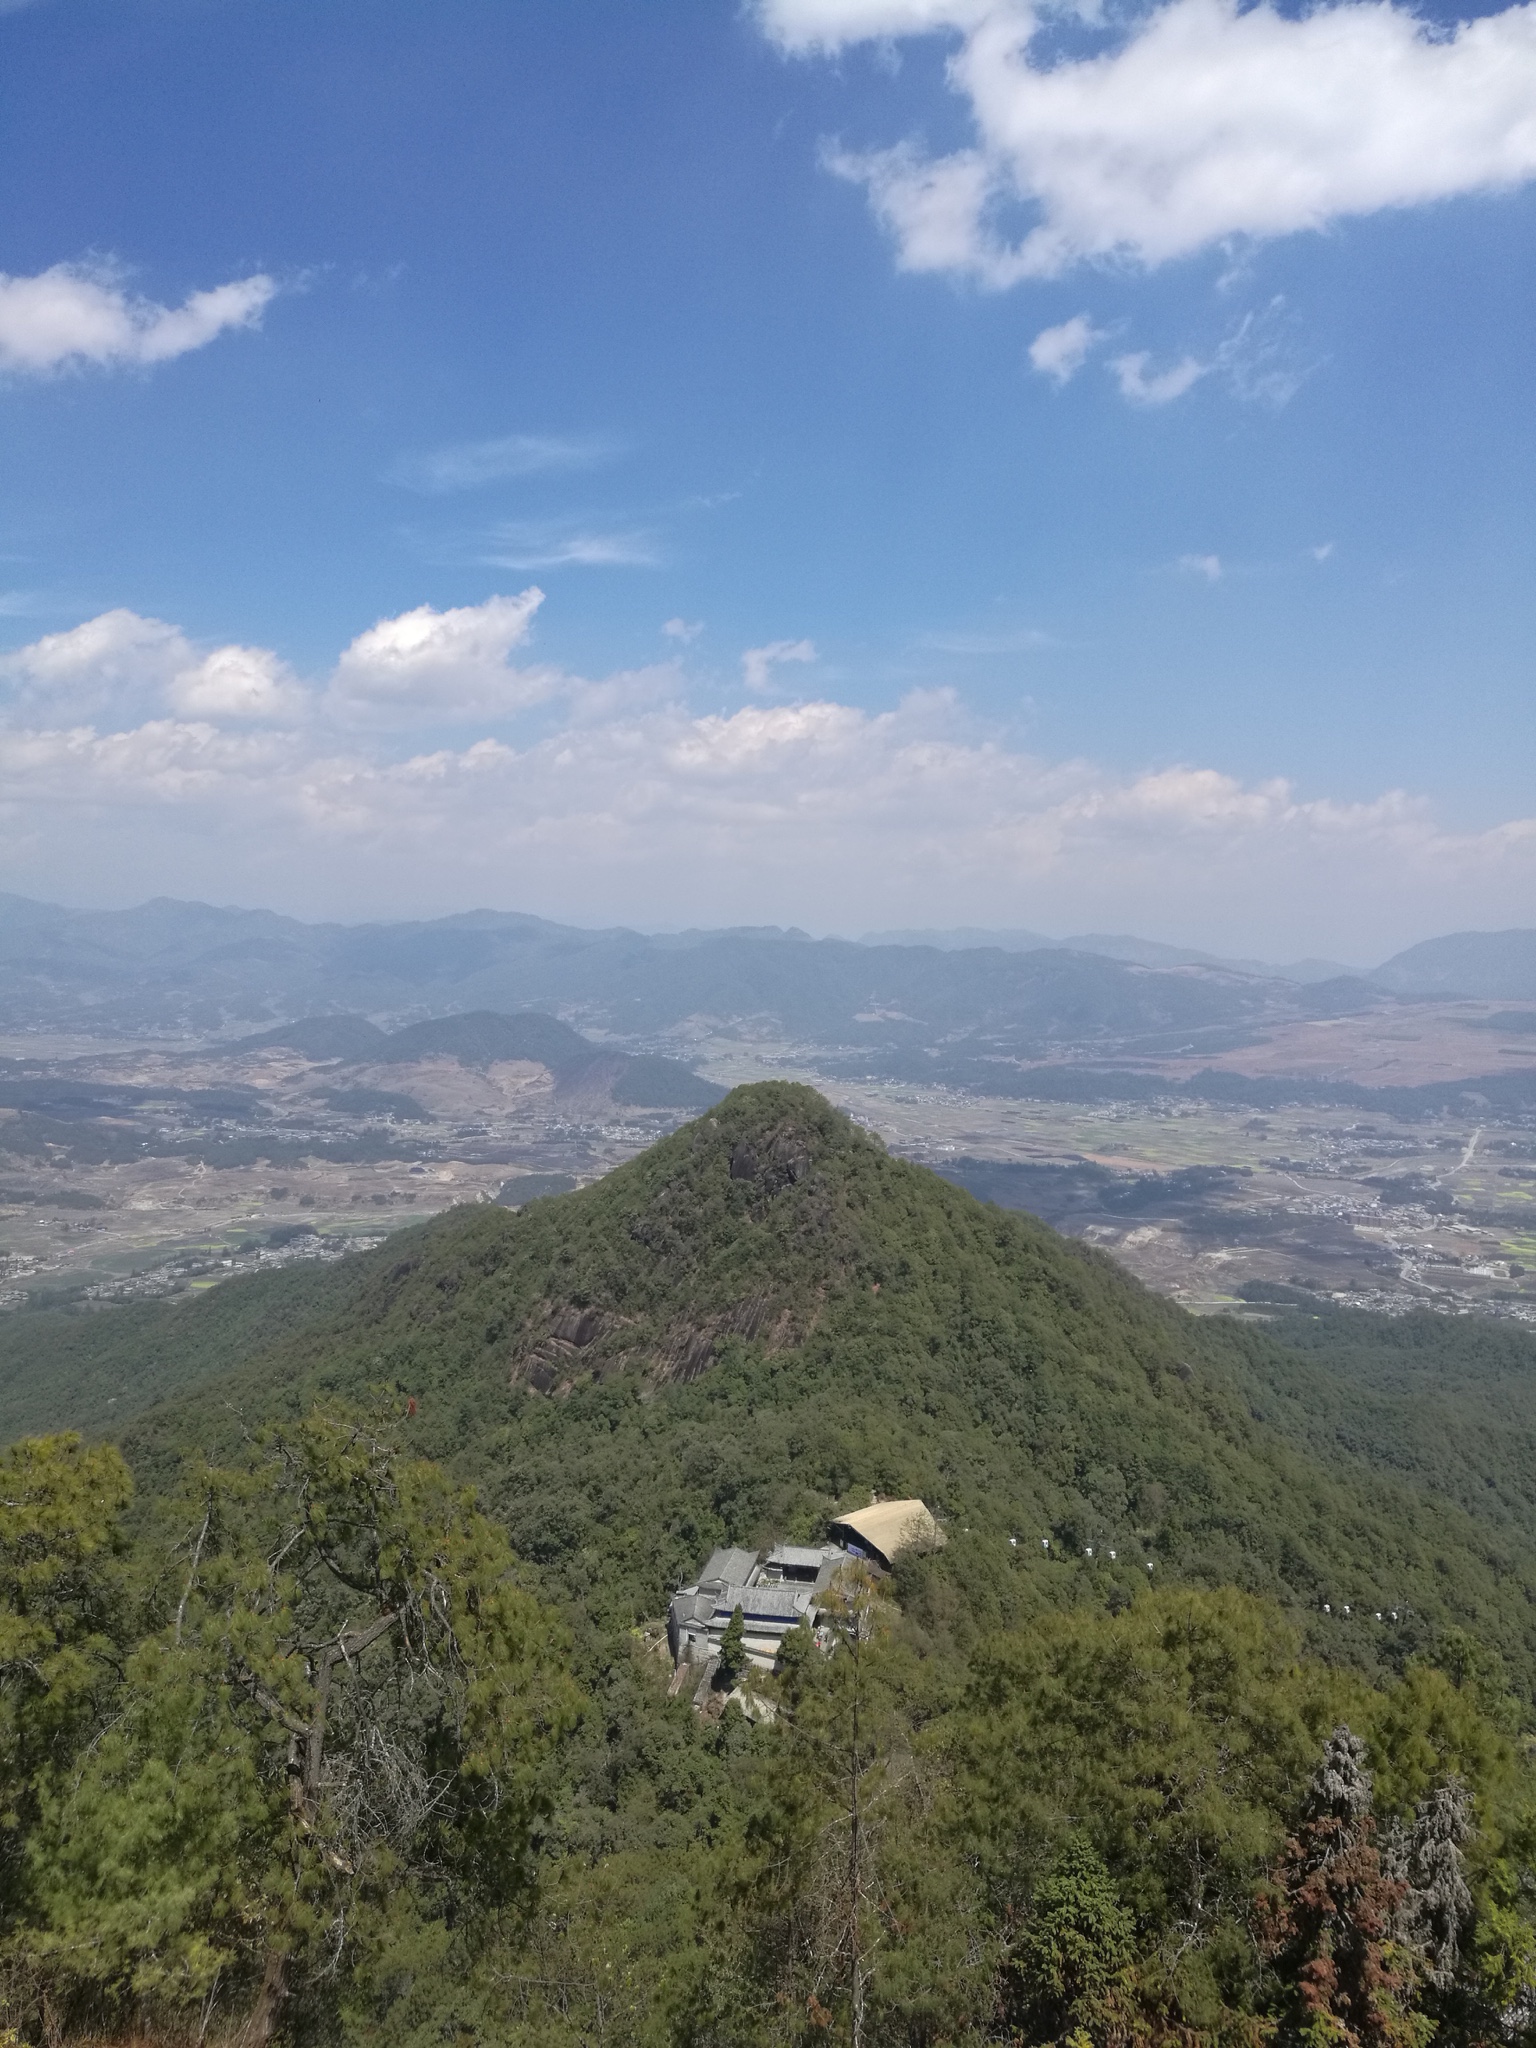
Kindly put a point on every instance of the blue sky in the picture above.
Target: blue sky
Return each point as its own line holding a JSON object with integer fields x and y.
{"x": 1214, "y": 619}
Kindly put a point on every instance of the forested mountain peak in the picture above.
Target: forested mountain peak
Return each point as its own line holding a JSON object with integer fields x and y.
{"x": 769, "y": 1219}
{"x": 766, "y": 1318}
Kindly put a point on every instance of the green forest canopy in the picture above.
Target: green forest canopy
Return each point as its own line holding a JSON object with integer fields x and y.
{"x": 1089, "y": 1725}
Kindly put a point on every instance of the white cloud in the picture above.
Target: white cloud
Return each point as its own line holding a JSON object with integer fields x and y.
{"x": 820, "y": 813}
{"x": 564, "y": 544}
{"x": 758, "y": 663}
{"x": 1208, "y": 566}
{"x": 162, "y": 761}
{"x": 117, "y": 662}
{"x": 1322, "y": 553}
{"x": 686, "y": 630}
{"x": 1060, "y": 352}
{"x": 427, "y": 664}
{"x": 421, "y": 667}
{"x": 1162, "y": 387}
{"x": 239, "y": 683}
{"x": 467, "y": 464}
{"x": 121, "y": 667}
{"x": 933, "y": 208}
{"x": 1206, "y": 121}
{"x": 77, "y": 314}
{"x": 632, "y": 808}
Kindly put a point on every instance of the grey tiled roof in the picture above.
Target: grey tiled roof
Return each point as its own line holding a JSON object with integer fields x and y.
{"x": 795, "y": 1557}
{"x": 764, "y": 1603}
{"x": 734, "y": 1567}
{"x": 691, "y": 1606}
{"x": 773, "y": 1604}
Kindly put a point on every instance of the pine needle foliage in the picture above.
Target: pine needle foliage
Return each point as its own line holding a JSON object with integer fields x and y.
{"x": 323, "y": 1750}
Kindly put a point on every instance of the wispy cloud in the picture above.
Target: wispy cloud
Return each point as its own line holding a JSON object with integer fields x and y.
{"x": 81, "y": 314}
{"x": 686, "y": 630}
{"x": 759, "y": 663}
{"x": 1060, "y": 352}
{"x": 533, "y": 544}
{"x": 1259, "y": 359}
{"x": 1255, "y": 359}
{"x": 465, "y": 465}
{"x": 1159, "y": 387}
{"x": 1208, "y": 566}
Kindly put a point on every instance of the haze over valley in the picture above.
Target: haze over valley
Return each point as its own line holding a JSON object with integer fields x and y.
{"x": 1367, "y": 1137}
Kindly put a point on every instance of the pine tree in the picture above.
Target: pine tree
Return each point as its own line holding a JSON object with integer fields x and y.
{"x": 330, "y": 1749}
{"x": 1073, "y": 1961}
{"x": 1332, "y": 1928}
{"x": 860, "y": 1923}
{"x": 63, "y": 1623}
{"x": 733, "y": 1649}
{"x": 1439, "y": 1902}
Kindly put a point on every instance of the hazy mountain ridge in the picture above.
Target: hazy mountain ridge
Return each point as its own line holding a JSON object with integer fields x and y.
{"x": 486, "y": 1038}
{"x": 975, "y": 1017}
{"x": 1496, "y": 965}
{"x": 166, "y": 966}
{"x": 1113, "y": 946}
{"x": 1492, "y": 965}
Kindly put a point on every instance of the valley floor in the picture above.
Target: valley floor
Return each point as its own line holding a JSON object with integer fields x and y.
{"x": 1201, "y": 1200}
{"x": 226, "y": 1163}
{"x": 195, "y": 1189}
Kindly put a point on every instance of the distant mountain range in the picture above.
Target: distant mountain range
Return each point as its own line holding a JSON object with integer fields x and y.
{"x": 481, "y": 1038}
{"x": 194, "y": 969}
{"x": 1496, "y": 965}
{"x": 189, "y": 968}
{"x": 1493, "y": 966}
{"x": 1113, "y": 946}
